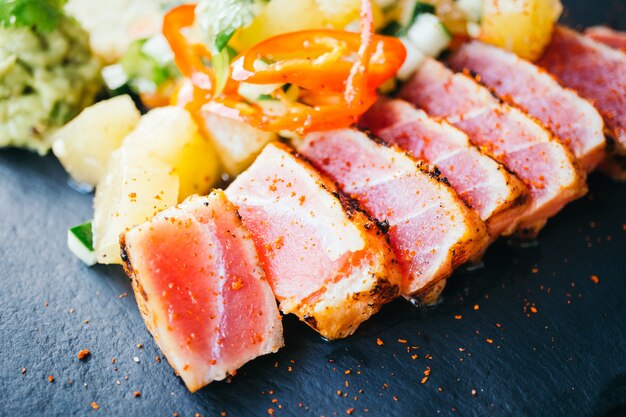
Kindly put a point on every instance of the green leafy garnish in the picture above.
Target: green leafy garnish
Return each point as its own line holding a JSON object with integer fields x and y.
{"x": 222, "y": 40}
{"x": 40, "y": 15}
{"x": 220, "y": 19}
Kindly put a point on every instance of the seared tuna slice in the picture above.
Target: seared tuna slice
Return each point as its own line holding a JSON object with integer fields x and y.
{"x": 574, "y": 121}
{"x": 506, "y": 134}
{"x": 498, "y": 196}
{"x": 201, "y": 289}
{"x": 432, "y": 231}
{"x": 326, "y": 261}
{"x": 607, "y": 36}
{"x": 597, "y": 72}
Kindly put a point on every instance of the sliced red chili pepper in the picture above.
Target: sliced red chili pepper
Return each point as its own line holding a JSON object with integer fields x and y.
{"x": 189, "y": 57}
{"x": 318, "y": 59}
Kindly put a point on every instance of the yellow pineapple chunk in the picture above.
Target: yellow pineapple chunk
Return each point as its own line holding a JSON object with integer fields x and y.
{"x": 521, "y": 26}
{"x": 237, "y": 143}
{"x": 136, "y": 187}
{"x": 85, "y": 144}
{"x": 170, "y": 135}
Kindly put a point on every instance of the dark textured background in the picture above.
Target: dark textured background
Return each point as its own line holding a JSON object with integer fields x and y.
{"x": 559, "y": 339}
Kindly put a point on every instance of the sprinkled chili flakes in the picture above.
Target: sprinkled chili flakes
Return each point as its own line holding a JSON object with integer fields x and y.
{"x": 458, "y": 317}
{"x": 595, "y": 279}
{"x": 490, "y": 341}
{"x": 379, "y": 342}
{"x": 83, "y": 354}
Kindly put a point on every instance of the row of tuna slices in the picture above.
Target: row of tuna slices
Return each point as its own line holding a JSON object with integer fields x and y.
{"x": 505, "y": 133}
{"x": 615, "y": 165}
{"x": 498, "y": 196}
{"x": 201, "y": 289}
{"x": 431, "y": 230}
{"x": 598, "y": 73}
{"x": 326, "y": 261}
{"x": 574, "y": 121}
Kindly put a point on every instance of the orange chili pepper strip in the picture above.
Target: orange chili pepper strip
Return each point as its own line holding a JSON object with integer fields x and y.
{"x": 299, "y": 59}
{"x": 188, "y": 57}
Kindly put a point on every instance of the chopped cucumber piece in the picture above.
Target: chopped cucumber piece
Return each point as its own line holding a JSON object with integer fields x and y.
{"x": 472, "y": 9}
{"x": 429, "y": 35}
{"x": 423, "y": 8}
{"x": 158, "y": 48}
{"x": 80, "y": 242}
{"x": 414, "y": 58}
{"x": 114, "y": 76}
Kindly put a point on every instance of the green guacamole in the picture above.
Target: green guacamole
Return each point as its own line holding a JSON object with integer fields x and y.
{"x": 45, "y": 80}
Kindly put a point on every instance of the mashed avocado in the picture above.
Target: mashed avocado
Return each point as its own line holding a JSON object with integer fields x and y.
{"x": 45, "y": 80}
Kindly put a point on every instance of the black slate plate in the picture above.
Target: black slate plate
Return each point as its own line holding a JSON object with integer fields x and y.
{"x": 528, "y": 334}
